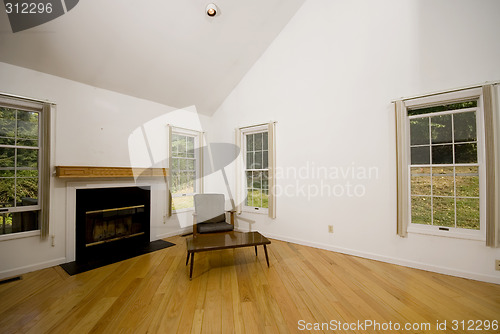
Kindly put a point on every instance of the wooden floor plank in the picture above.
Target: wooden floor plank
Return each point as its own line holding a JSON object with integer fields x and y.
{"x": 233, "y": 291}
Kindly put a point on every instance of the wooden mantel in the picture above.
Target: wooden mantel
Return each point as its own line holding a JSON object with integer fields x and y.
{"x": 99, "y": 172}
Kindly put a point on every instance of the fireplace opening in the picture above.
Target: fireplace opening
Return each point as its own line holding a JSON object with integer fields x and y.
{"x": 110, "y": 225}
{"x": 111, "y": 221}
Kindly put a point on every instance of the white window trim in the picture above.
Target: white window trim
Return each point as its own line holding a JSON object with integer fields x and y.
{"x": 448, "y": 98}
{"x": 244, "y": 133}
{"x": 33, "y": 105}
{"x": 198, "y": 166}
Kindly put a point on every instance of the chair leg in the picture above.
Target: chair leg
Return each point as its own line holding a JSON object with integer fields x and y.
{"x": 255, "y": 250}
{"x": 187, "y": 260}
{"x": 191, "y": 269}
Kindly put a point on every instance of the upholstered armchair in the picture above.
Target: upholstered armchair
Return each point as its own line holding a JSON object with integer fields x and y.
{"x": 210, "y": 215}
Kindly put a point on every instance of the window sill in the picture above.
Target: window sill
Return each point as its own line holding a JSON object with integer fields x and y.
{"x": 19, "y": 235}
{"x": 452, "y": 233}
{"x": 254, "y": 210}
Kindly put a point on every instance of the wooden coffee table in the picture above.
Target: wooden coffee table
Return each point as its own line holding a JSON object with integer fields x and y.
{"x": 216, "y": 241}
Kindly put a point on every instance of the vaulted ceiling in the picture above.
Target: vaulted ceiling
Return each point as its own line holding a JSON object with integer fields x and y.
{"x": 165, "y": 51}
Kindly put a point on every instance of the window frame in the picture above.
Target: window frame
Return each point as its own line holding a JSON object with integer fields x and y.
{"x": 197, "y": 165}
{"x": 443, "y": 99}
{"x": 43, "y": 163}
{"x": 244, "y": 132}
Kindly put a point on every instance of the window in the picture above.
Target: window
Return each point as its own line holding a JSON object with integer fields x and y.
{"x": 23, "y": 164}
{"x": 444, "y": 167}
{"x": 256, "y": 156}
{"x": 442, "y": 160}
{"x": 184, "y": 169}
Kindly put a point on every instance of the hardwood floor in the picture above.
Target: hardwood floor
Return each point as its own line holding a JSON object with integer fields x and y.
{"x": 232, "y": 291}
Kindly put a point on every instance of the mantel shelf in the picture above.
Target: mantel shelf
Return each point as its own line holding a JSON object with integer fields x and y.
{"x": 101, "y": 172}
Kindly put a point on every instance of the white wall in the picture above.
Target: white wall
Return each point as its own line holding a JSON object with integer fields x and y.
{"x": 93, "y": 127}
{"x": 328, "y": 80}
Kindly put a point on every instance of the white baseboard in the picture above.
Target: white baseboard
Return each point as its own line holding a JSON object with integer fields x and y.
{"x": 174, "y": 233}
{"x": 26, "y": 269}
{"x": 392, "y": 260}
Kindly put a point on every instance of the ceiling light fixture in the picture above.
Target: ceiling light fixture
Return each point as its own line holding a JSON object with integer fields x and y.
{"x": 212, "y": 10}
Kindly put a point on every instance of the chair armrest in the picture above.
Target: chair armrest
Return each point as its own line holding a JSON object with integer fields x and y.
{"x": 231, "y": 216}
{"x": 195, "y": 229}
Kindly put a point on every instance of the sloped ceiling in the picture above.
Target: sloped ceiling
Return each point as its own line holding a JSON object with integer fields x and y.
{"x": 165, "y": 51}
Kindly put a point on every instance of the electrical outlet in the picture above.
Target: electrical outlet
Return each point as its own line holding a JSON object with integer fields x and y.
{"x": 497, "y": 264}
{"x": 330, "y": 228}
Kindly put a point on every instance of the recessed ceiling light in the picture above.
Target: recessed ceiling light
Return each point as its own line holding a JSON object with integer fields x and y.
{"x": 212, "y": 10}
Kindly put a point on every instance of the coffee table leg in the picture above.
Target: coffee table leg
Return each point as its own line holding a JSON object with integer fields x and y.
{"x": 255, "y": 250}
{"x": 187, "y": 260}
{"x": 191, "y": 269}
{"x": 267, "y": 258}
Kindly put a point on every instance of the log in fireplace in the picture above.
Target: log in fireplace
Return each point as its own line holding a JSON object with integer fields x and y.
{"x": 111, "y": 220}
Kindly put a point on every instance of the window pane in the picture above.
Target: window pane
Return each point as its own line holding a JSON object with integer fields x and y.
{"x": 420, "y": 155}
{"x": 27, "y": 142}
{"x": 190, "y": 164}
{"x": 192, "y": 182}
{"x": 467, "y": 181}
{"x": 249, "y": 199}
{"x": 257, "y": 198}
{"x": 175, "y": 164}
{"x": 190, "y": 147}
{"x": 442, "y": 154}
{"x": 258, "y": 160}
{"x": 27, "y": 125}
{"x": 249, "y": 179}
{"x": 265, "y": 162}
{"x": 7, "y": 194}
{"x": 18, "y": 222}
{"x": 27, "y": 191}
{"x": 249, "y": 143}
{"x": 176, "y": 142}
{"x": 265, "y": 182}
{"x": 468, "y": 213}
{"x": 7, "y": 126}
{"x": 257, "y": 180}
{"x": 466, "y": 153}
{"x": 465, "y": 127}
{"x": 421, "y": 210}
{"x": 441, "y": 129}
{"x": 442, "y": 181}
{"x": 265, "y": 199}
{"x": 258, "y": 142}
{"x": 419, "y": 131}
{"x": 420, "y": 181}
{"x": 444, "y": 211}
{"x": 182, "y": 164}
{"x": 182, "y": 202}
{"x": 444, "y": 107}
{"x": 181, "y": 146}
{"x": 250, "y": 160}
{"x": 265, "y": 145}
{"x": 27, "y": 173}
{"x": 27, "y": 158}
{"x": 7, "y": 157}
{"x": 7, "y": 172}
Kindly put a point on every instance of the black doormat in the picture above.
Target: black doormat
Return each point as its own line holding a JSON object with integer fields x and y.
{"x": 77, "y": 267}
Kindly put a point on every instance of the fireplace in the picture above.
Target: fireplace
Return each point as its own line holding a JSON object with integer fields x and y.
{"x": 111, "y": 221}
